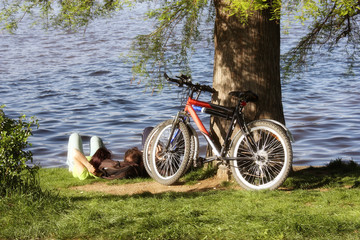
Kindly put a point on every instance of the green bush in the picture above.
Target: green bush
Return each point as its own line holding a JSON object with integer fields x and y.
{"x": 15, "y": 174}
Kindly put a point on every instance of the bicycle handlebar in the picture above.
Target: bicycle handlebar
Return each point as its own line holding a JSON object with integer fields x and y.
{"x": 185, "y": 80}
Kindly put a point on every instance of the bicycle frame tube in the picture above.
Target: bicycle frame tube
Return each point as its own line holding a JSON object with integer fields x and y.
{"x": 215, "y": 110}
{"x": 232, "y": 114}
{"x": 189, "y": 109}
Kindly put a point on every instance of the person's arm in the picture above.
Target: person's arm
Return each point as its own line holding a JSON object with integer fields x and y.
{"x": 80, "y": 158}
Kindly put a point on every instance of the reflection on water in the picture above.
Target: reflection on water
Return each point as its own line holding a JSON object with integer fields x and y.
{"x": 78, "y": 83}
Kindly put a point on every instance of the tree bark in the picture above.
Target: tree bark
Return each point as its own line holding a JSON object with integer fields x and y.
{"x": 247, "y": 57}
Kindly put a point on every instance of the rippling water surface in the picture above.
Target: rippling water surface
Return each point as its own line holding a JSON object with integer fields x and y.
{"x": 78, "y": 83}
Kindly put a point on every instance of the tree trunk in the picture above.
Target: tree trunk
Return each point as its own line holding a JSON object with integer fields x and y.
{"x": 247, "y": 57}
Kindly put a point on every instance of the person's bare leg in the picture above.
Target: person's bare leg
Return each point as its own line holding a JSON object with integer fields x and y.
{"x": 80, "y": 162}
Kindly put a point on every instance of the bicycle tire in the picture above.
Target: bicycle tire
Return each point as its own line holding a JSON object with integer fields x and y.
{"x": 146, "y": 150}
{"x": 168, "y": 167}
{"x": 269, "y": 164}
{"x": 194, "y": 154}
{"x": 194, "y": 146}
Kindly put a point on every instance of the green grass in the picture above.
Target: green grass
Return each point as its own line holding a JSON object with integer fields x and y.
{"x": 308, "y": 207}
{"x": 336, "y": 174}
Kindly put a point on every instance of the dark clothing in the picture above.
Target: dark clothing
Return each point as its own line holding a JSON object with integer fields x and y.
{"x": 111, "y": 169}
{"x": 109, "y": 163}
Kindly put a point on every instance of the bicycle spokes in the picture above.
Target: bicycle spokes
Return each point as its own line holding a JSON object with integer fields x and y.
{"x": 261, "y": 159}
{"x": 169, "y": 159}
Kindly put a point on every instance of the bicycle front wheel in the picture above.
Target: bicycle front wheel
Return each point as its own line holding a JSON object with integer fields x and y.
{"x": 169, "y": 157}
{"x": 264, "y": 160}
{"x": 147, "y": 147}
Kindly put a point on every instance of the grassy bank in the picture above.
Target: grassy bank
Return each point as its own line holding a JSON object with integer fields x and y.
{"x": 316, "y": 203}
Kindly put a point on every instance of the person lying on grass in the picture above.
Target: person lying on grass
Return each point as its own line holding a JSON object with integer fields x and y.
{"x": 100, "y": 163}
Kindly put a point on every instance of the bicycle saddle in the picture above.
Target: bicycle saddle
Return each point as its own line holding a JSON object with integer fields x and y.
{"x": 248, "y": 96}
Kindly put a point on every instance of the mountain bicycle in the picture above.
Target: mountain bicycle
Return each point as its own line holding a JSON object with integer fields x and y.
{"x": 259, "y": 155}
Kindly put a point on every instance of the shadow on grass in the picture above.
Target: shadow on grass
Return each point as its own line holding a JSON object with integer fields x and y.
{"x": 337, "y": 173}
{"x": 144, "y": 195}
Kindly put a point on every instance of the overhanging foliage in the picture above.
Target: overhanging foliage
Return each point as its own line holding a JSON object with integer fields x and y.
{"x": 329, "y": 22}
{"x": 179, "y": 24}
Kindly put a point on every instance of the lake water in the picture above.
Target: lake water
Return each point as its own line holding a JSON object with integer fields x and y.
{"x": 78, "y": 83}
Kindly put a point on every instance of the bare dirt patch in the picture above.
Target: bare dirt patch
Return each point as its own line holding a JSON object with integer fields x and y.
{"x": 215, "y": 183}
{"x": 153, "y": 187}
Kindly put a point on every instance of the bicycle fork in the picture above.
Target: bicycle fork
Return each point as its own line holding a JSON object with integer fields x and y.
{"x": 174, "y": 130}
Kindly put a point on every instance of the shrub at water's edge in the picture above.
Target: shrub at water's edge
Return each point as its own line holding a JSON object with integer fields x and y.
{"x": 15, "y": 174}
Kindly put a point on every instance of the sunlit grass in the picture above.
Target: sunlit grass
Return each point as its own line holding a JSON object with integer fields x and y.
{"x": 308, "y": 208}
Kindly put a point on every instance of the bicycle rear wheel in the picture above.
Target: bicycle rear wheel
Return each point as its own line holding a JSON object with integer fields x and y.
{"x": 194, "y": 153}
{"x": 168, "y": 164}
{"x": 264, "y": 164}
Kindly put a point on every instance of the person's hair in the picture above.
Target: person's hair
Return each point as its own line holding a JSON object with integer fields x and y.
{"x": 100, "y": 155}
{"x": 133, "y": 155}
